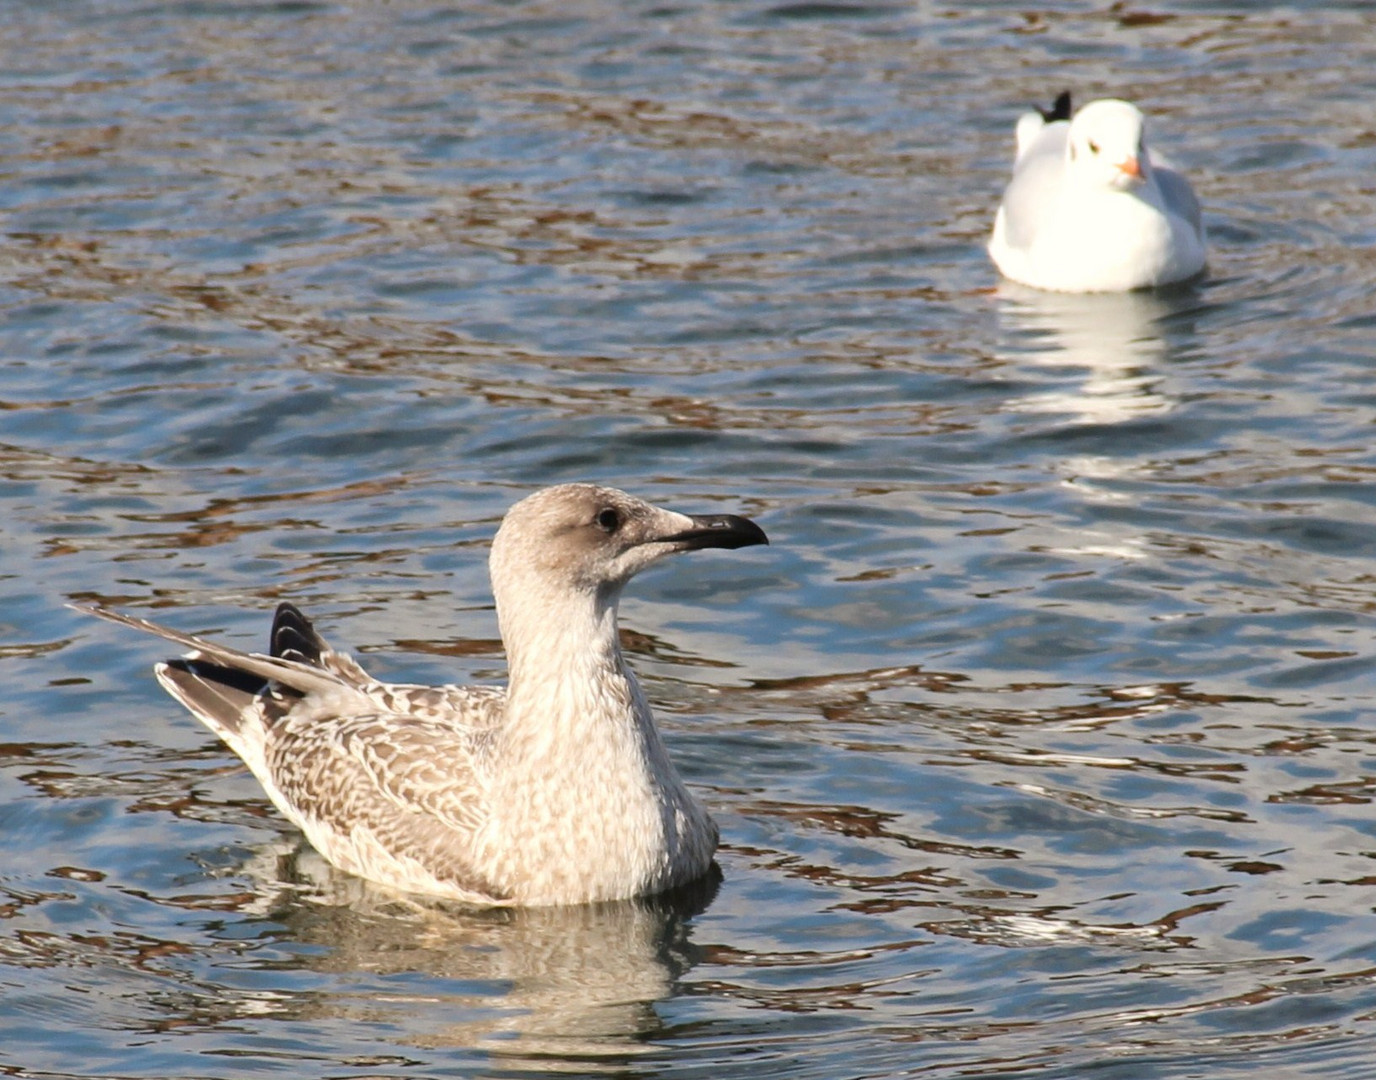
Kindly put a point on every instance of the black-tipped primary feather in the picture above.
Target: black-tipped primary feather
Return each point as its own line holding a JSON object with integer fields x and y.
{"x": 1060, "y": 108}
{"x": 293, "y": 636}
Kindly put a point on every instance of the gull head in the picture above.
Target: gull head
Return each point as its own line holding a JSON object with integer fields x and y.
{"x": 1106, "y": 145}
{"x": 587, "y": 540}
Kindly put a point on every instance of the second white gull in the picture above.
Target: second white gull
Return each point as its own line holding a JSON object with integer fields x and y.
{"x": 1091, "y": 209}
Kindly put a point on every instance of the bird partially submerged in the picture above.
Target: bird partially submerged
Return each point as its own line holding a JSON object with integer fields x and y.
{"x": 554, "y": 790}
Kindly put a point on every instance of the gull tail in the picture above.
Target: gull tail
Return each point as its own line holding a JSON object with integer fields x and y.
{"x": 227, "y": 689}
{"x": 223, "y": 698}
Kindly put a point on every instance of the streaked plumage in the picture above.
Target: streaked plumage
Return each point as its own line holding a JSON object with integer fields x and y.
{"x": 556, "y": 789}
{"x": 1089, "y": 209}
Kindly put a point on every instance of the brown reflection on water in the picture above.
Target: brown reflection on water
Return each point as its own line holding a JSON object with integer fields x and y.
{"x": 863, "y": 823}
{"x": 1351, "y": 793}
{"x": 26, "y": 465}
{"x": 879, "y": 696}
{"x": 121, "y": 949}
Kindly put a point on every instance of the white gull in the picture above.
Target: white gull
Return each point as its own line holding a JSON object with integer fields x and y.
{"x": 1090, "y": 210}
{"x": 554, "y": 790}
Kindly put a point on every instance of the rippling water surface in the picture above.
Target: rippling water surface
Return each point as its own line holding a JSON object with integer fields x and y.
{"x": 1042, "y": 740}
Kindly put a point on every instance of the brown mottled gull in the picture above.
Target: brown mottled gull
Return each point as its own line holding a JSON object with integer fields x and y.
{"x": 554, "y": 790}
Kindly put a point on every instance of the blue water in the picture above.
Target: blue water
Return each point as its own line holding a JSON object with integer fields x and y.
{"x": 1041, "y": 738}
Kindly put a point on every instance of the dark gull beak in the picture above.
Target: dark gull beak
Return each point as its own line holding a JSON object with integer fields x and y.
{"x": 718, "y": 531}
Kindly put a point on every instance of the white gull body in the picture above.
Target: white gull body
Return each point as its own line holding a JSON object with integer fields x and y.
{"x": 1090, "y": 210}
{"x": 554, "y": 790}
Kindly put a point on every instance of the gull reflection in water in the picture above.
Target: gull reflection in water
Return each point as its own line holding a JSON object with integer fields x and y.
{"x": 536, "y": 989}
{"x": 1117, "y": 339}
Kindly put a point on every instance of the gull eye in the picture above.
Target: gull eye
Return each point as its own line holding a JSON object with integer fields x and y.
{"x": 1093, "y": 147}
{"x": 608, "y": 519}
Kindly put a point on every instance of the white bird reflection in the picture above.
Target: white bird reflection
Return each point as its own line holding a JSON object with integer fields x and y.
{"x": 1117, "y": 339}
{"x": 545, "y": 989}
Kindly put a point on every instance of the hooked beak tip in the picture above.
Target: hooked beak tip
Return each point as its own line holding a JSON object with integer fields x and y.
{"x": 722, "y": 531}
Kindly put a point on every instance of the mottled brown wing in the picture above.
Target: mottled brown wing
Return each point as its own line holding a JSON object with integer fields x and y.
{"x": 414, "y": 785}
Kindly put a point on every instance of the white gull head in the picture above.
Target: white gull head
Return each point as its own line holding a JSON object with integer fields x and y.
{"x": 1106, "y": 146}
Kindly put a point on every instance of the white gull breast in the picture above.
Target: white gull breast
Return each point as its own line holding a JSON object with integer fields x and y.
{"x": 554, "y": 790}
{"x": 1090, "y": 209}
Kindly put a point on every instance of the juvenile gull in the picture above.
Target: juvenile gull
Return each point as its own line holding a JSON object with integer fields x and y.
{"x": 554, "y": 790}
{"x": 1090, "y": 210}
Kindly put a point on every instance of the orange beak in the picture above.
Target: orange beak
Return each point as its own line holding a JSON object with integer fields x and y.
{"x": 1129, "y": 166}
